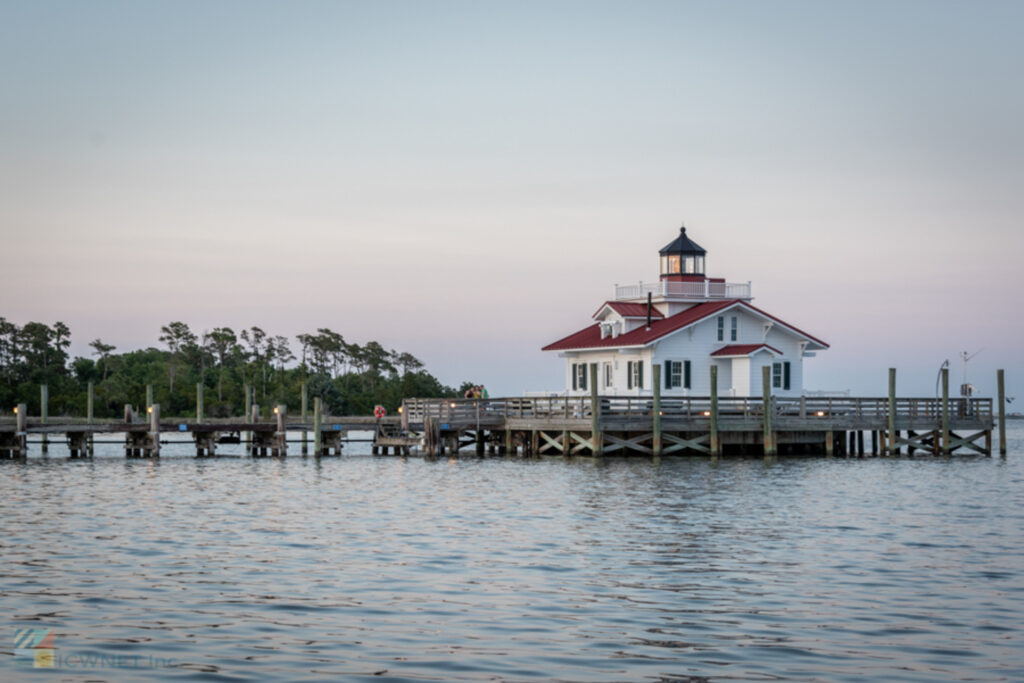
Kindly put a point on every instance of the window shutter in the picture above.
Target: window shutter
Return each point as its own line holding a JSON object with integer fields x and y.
{"x": 629, "y": 374}
{"x": 583, "y": 376}
{"x": 686, "y": 374}
{"x": 668, "y": 374}
{"x": 639, "y": 374}
{"x": 574, "y": 387}
{"x": 785, "y": 368}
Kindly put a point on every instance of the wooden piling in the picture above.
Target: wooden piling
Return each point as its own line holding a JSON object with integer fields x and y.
{"x": 248, "y": 414}
{"x": 149, "y": 397}
{"x": 874, "y": 442}
{"x": 656, "y": 411}
{"x": 890, "y": 447}
{"x": 281, "y": 437}
{"x": 945, "y": 411}
{"x": 199, "y": 403}
{"x": 1001, "y": 390}
{"x": 305, "y": 400}
{"x": 766, "y": 392}
{"x": 830, "y": 443}
{"x": 715, "y": 442}
{"x": 90, "y": 400}
{"x": 44, "y": 411}
{"x": 20, "y": 438}
{"x": 154, "y": 430}
{"x": 317, "y": 425}
{"x": 597, "y": 439}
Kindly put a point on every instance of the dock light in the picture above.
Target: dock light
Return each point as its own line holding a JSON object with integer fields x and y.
{"x": 452, "y": 404}
{"x": 275, "y": 410}
{"x": 15, "y": 410}
{"x": 149, "y": 409}
{"x": 707, "y": 413}
{"x": 821, "y": 413}
{"x": 400, "y": 409}
{"x": 661, "y": 412}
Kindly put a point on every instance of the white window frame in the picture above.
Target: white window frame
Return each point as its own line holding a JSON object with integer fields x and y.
{"x": 676, "y": 375}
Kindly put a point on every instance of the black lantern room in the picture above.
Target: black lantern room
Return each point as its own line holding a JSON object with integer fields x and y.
{"x": 682, "y": 259}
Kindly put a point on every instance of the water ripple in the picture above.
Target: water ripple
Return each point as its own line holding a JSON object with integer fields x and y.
{"x": 377, "y": 569}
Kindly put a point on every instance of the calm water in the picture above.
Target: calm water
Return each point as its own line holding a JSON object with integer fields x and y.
{"x": 508, "y": 569}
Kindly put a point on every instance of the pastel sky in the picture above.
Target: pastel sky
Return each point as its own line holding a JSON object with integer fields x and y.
{"x": 466, "y": 181}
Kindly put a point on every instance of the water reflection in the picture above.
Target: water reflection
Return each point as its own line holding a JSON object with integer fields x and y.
{"x": 466, "y": 569}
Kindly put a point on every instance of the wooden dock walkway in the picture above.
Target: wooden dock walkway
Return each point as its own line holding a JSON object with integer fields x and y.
{"x": 571, "y": 425}
{"x": 699, "y": 425}
{"x": 143, "y": 439}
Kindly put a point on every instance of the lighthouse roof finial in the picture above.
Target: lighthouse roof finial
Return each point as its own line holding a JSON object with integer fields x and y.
{"x": 683, "y": 244}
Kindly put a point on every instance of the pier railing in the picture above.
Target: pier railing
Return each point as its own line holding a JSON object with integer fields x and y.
{"x": 466, "y": 411}
{"x": 685, "y": 290}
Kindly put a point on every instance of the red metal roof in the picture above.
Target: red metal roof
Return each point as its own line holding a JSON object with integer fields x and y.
{"x": 590, "y": 337}
{"x": 743, "y": 350}
{"x": 627, "y": 310}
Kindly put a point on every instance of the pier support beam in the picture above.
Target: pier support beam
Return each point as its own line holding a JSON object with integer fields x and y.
{"x": 656, "y": 411}
{"x": 305, "y": 402}
{"x": 715, "y": 441}
{"x": 318, "y": 438}
{"x": 280, "y": 444}
{"x": 945, "y": 412}
{"x": 766, "y": 392}
{"x": 44, "y": 411}
{"x": 1001, "y": 382}
{"x": 597, "y": 439}
{"x": 891, "y": 447}
{"x": 90, "y": 400}
{"x": 206, "y": 444}
{"x": 15, "y": 446}
{"x": 248, "y": 415}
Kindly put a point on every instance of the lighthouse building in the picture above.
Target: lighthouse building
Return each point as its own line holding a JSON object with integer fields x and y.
{"x": 685, "y": 322}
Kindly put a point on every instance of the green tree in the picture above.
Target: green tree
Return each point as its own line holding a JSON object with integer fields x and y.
{"x": 103, "y": 351}
{"x": 179, "y": 338}
{"x": 222, "y": 342}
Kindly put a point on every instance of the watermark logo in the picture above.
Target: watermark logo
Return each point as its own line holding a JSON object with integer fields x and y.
{"x": 35, "y": 644}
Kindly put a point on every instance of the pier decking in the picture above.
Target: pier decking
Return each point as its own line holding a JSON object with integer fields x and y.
{"x": 699, "y": 425}
{"x": 573, "y": 425}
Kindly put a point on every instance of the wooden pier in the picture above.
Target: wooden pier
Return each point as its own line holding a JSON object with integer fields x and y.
{"x": 704, "y": 425}
{"x": 570, "y": 425}
{"x": 144, "y": 438}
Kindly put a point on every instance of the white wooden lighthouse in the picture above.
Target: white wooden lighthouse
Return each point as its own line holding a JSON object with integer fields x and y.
{"x": 686, "y": 322}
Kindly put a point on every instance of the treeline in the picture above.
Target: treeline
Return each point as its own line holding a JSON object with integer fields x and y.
{"x": 349, "y": 378}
